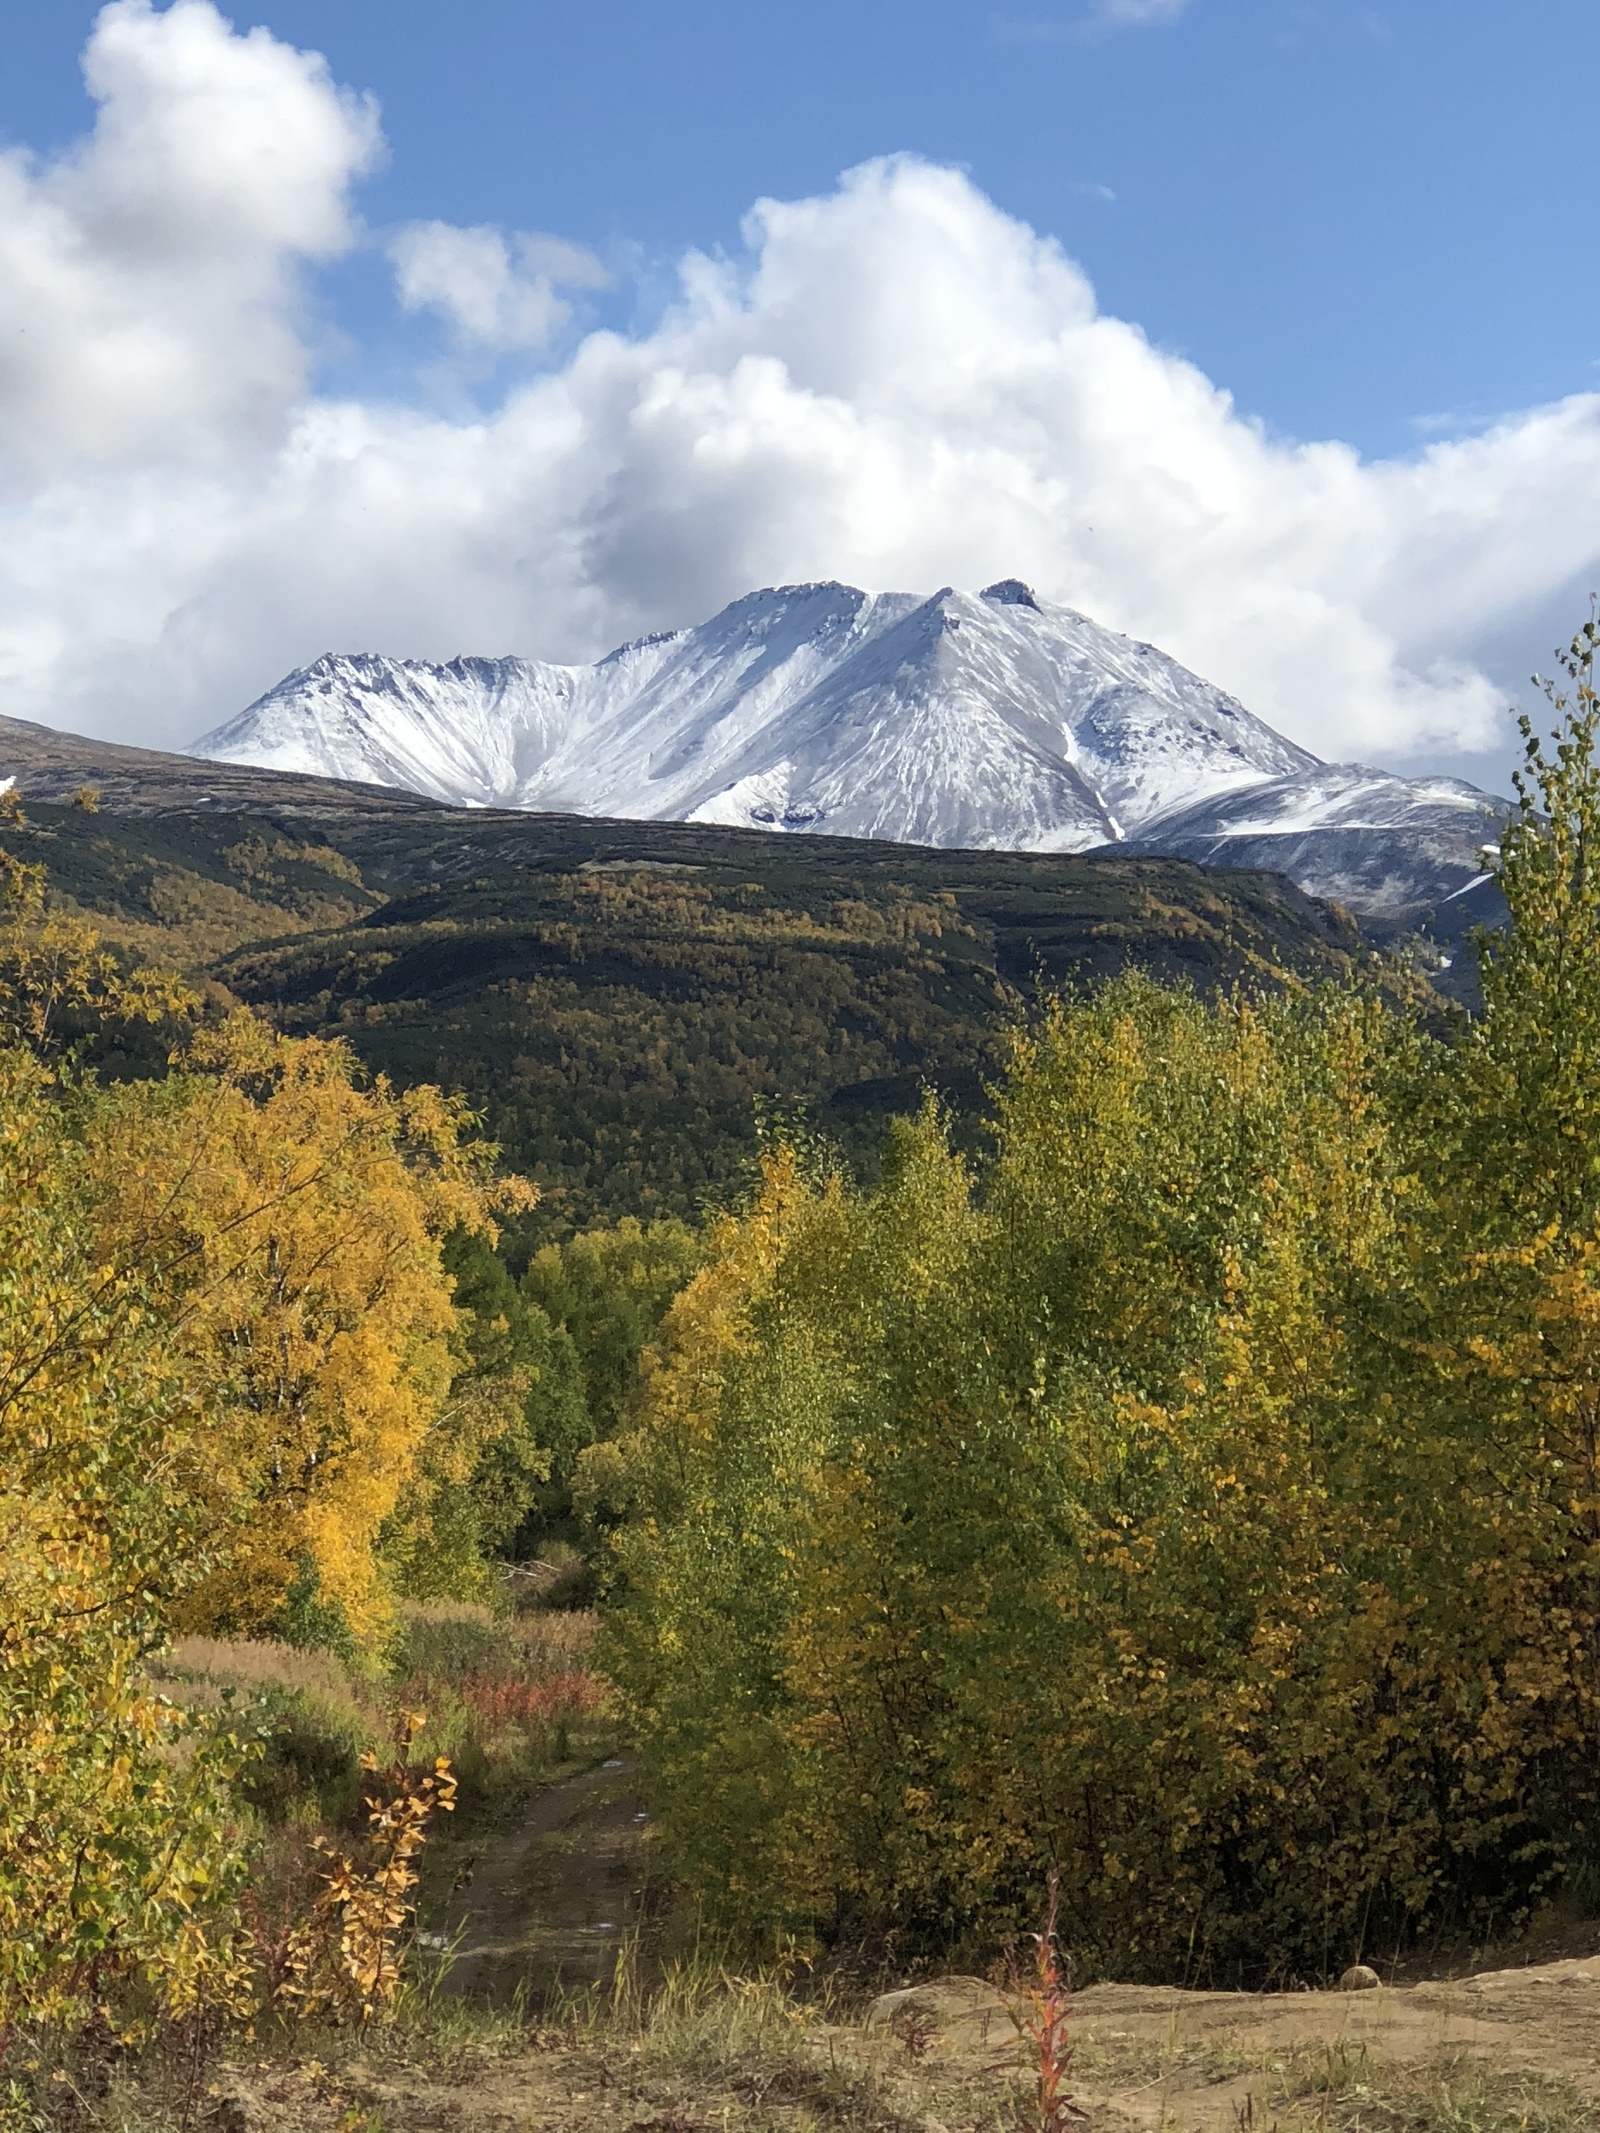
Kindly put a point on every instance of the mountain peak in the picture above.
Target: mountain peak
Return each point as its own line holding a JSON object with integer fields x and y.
{"x": 990, "y": 720}
{"x": 1011, "y": 592}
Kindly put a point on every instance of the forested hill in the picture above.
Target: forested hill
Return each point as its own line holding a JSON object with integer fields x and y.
{"x": 618, "y": 998}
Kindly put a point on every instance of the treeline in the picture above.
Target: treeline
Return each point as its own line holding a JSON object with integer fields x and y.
{"x": 1199, "y": 1497}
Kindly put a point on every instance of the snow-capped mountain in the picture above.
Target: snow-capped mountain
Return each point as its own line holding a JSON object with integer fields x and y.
{"x": 976, "y": 719}
{"x": 1377, "y": 843}
{"x": 990, "y": 719}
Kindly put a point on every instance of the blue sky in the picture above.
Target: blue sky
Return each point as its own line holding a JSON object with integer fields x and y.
{"x": 1367, "y": 221}
{"x": 366, "y": 324}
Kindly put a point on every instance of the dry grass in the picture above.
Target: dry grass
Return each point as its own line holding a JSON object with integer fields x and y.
{"x": 456, "y": 1636}
{"x": 559, "y": 1641}
{"x": 448, "y": 1611}
{"x": 1350, "y": 2092}
{"x": 235, "y": 1662}
{"x": 524, "y": 1644}
{"x": 1319, "y": 2088}
{"x": 706, "y": 2050}
{"x": 509, "y": 1700}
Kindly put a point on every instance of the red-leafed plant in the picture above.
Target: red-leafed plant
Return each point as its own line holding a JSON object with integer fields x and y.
{"x": 1044, "y": 2003}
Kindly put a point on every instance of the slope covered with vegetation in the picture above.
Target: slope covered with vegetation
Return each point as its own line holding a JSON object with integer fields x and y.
{"x": 620, "y": 1000}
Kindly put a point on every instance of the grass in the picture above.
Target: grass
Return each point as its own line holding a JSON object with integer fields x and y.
{"x": 1340, "y": 2088}
{"x": 214, "y": 1663}
{"x": 1350, "y": 2092}
{"x": 700, "y": 2050}
{"x": 1174, "y": 2082}
{"x": 315, "y": 1719}
{"x": 707, "y": 2050}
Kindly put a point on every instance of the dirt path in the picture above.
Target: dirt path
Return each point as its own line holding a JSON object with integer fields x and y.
{"x": 548, "y": 1902}
{"x": 1208, "y": 2061}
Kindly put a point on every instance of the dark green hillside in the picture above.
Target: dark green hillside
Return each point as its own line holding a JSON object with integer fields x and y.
{"x": 616, "y": 1022}
{"x": 208, "y": 881}
{"x": 615, "y": 1028}
{"x": 616, "y": 997}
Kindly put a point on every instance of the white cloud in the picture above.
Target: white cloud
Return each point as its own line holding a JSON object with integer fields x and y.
{"x": 496, "y": 292}
{"x": 1102, "y": 16}
{"x": 896, "y": 384}
{"x": 147, "y": 291}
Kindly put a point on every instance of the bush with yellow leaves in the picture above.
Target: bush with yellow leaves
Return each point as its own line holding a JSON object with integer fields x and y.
{"x": 345, "y": 1962}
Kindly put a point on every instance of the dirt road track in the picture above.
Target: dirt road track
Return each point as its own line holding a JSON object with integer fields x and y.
{"x": 548, "y": 1903}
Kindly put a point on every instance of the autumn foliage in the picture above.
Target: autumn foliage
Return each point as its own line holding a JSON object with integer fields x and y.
{"x": 344, "y": 1962}
{"x": 225, "y": 1338}
{"x": 1200, "y": 1498}
{"x": 295, "y": 1219}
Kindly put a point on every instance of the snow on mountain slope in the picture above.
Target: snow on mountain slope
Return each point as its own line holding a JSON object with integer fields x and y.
{"x": 981, "y": 719}
{"x": 469, "y": 732}
{"x": 990, "y": 719}
{"x": 1378, "y": 843}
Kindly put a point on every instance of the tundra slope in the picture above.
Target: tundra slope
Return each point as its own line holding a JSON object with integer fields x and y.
{"x": 993, "y": 720}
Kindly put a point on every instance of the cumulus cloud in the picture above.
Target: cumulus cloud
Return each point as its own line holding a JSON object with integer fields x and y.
{"x": 895, "y": 384}
{"x": 496, "y": 292}
{"x": 147, "y": 291}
